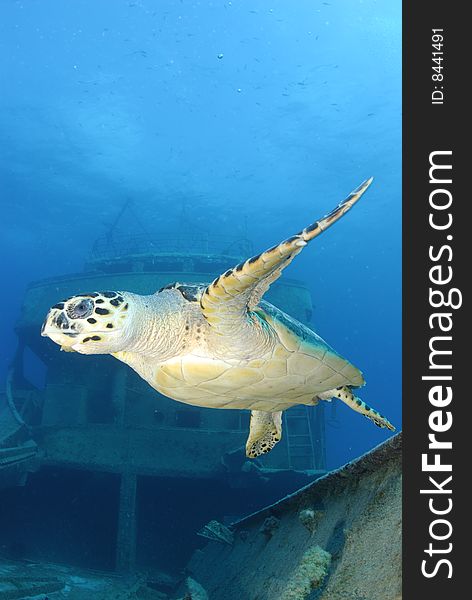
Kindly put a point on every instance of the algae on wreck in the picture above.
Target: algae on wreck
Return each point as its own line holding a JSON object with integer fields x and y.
{"x": 309, "y": 574}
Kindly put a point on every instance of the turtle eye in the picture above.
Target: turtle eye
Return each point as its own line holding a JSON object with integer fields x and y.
{"x": 80, "y": 309}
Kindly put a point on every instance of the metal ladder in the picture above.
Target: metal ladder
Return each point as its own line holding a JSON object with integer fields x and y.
{"x": 301, "y": 452}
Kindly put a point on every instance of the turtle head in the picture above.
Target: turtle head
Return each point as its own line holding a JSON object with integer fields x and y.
{"x": 89, "y": 323}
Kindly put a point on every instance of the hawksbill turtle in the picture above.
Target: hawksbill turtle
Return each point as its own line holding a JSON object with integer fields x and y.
{"x": 220, "y": 345}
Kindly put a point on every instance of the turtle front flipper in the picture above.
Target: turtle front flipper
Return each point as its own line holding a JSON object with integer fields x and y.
{"x": 345, "y": 394}
{"x": 225, "y": 302}
{"x": 265, "y": 431}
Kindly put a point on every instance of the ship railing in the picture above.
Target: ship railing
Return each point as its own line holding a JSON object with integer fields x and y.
{"x": 110, "y": 247}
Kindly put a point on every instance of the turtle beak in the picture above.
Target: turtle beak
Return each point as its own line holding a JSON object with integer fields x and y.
{"x": 57, "y": 327}
{"x": 49, "y": 325}
{"x": 55, "y": 322}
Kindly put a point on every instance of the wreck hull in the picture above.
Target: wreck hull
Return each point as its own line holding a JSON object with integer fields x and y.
{"x": 356, "y": 521}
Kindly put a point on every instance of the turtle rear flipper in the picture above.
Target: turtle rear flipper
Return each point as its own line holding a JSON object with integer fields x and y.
{"x": 265, "y": 431}
{"x": 345, "y": 394}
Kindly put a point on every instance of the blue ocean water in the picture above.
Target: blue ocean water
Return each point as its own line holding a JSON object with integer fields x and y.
{"x": 258, "y": 116}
